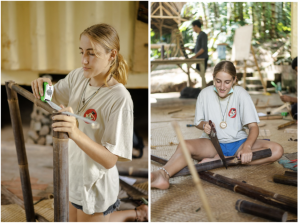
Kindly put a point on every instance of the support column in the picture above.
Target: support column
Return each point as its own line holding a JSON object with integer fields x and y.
{"x": 16, "y": 122}
{"x": 60, "y": 175}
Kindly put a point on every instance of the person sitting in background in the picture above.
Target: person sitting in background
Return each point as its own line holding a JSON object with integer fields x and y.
{"x": 291, "y": 99}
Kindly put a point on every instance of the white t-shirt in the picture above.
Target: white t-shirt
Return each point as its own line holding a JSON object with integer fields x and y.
{"x": 91, "y": 185}
{"x": 240, "y": 112}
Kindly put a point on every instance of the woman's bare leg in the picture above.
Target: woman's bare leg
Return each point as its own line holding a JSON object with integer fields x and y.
{"x": 259, "y": 144}
{"x": 72, "y": 213}
{"x": 97, "y": 217}
{"x": 130, "y": 215}
{"x": 199, "y": 149}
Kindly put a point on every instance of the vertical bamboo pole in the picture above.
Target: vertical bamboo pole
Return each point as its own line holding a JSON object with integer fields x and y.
{"x": 193, "y": 171}
{"x": 16, "y": 122}
{"x": 189, "y": 82}
{"x": 261, "y": 78}
{"x": 244, "y": 75}
{"x": 60, "y": 175}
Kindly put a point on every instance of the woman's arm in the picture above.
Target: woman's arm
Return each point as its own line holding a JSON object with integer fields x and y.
{"x": 245, "y": 154}
{"x": 94, "y": 150}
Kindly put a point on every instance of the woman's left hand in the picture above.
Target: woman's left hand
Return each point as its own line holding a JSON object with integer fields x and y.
{"x": 66, "y": 123}
{"x": 245, "y": 155}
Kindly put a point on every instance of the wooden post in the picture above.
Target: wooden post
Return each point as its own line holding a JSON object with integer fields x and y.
{"x": 265, "y": 212}
{"x": 202, "y": 72}
{"x": 60, "y": 175}
{"x": 261, "y": 78}
{"x": 16, "y": 122}
{"x": 196, "y": 179}
{"x": 244, "y": 76}
{"x": 189, "y": 82}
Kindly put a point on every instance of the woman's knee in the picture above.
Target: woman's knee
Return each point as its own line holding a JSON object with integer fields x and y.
{"x": 277, "y": 151}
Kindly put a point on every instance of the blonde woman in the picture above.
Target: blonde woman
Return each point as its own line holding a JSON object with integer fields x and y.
{"x": 231, "y": 110}
{"x": 96, "y": 90}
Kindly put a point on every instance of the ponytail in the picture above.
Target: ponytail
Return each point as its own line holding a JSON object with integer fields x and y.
{"x": 121, "y": 71}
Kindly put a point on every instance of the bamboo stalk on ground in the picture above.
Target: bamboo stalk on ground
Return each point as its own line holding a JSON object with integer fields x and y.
{"x": 265, "y": 212}
{"x": 268, "y": 197}
{"x": 282, "y": 179}
{"x": 231, "y": 161}
{"x": 193, "y": 171}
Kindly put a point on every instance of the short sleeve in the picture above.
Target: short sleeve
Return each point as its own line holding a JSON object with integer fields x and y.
{"x": 199, "y": 112}
{"x": 118, "y": 134}
{"x": 247, "y": 109}
{"x": 62, "y": 90}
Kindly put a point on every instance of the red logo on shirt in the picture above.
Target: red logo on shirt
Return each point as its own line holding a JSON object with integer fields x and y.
{"x": 90, "y": 114}
{"x": 232, "y": 113}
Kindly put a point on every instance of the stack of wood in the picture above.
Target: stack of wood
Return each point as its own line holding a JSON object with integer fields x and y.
{"x": 40, "y": 131}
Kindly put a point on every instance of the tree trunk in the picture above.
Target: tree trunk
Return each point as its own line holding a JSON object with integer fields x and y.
{"x": 264, "y": 20}
{"x": 253, "y": 19}
{"x": 204, "y": 17}
{"x": 241, "y": 9}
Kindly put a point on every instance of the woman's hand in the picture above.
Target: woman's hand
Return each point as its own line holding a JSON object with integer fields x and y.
{"x": 245, "y": 155}
{"x": 38, "y": 87}
{"x": 207, "y": 128}
{"x": 66, "y": 124}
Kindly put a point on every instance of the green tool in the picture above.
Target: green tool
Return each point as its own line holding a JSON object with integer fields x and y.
{"x": 48, "y": 92}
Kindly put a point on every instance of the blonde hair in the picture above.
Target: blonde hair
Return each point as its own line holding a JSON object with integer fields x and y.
{"x": 228, "y": 67}
{"x": 108, "y": 38}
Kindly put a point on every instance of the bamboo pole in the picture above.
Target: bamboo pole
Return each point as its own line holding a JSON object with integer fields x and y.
{"x": 16, "y": 122}
{"x": 283, "y": 179}
{"x": 265, "y": 212}
{"x": 193, "y": 171}
{"x": 231, "y": 161}
{"x": 244, "y": 75}
{"x": 260, "y": 75}
{"x": 28, "y": 95}
{"x": 60, "y": 175}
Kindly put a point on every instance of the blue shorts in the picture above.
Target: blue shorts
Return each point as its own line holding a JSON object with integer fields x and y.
{"x": 110, "y": 209}
{"x": 229, "y": 149}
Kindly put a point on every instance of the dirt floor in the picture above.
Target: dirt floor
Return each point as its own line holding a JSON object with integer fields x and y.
{"x": 40, "y": 160}
{"x": 180, "y": 201}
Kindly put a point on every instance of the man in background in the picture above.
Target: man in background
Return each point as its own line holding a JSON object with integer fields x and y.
{"x": 291, "y": 99}
{"x": 200, "y": 50}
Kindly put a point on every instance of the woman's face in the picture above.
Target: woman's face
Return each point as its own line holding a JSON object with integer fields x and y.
{"x": 93, "y": 65}
{"x": 223, "y": 82}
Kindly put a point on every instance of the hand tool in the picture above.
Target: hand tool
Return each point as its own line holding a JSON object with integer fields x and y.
{"x": 215, "y": 142}
{"x": 48, "y": 92}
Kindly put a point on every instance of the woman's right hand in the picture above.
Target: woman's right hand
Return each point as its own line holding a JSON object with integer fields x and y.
{"x": 38, "y": 87}
{"x": 207, "y": 128}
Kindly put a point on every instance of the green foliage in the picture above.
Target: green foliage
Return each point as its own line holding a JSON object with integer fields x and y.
{"x": 221, "y": 26}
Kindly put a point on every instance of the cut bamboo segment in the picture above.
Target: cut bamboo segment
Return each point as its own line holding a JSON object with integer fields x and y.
{"x": 269, "y": 213}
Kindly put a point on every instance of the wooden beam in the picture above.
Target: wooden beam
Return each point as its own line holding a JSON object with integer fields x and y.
{"x": 167, "y": 3}
{"x": 154, "y": 11}
{"x": 166, "y": 11}
{"x": 168, "y": 17}
{"x": 160, "y": 9}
